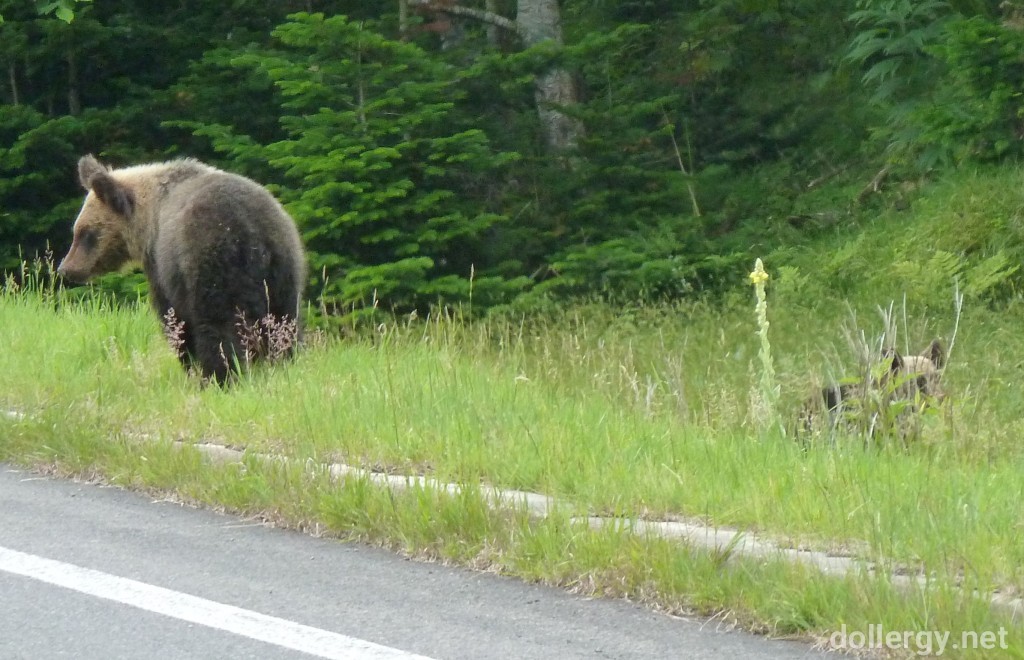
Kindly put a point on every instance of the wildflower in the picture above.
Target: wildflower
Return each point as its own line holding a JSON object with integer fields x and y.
{"x": 768, "y": 397}
{"x": 758, "y": 277}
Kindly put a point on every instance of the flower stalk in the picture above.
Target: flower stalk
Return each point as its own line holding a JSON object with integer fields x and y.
{"x": 768, "y": 395}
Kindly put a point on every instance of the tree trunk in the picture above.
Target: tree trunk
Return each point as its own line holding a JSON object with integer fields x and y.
{"x": 493, "y": 32}
{"x": 12, "y": 75}
{"x": 555, "y": 90}
{"x": 539, "y": 21}
{"x": 74, "y": 98}
{"x": 536, "y": 21}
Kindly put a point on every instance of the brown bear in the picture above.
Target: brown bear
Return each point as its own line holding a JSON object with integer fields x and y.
{"x": 884, "y": 399}
{"x": 223, "y": 259}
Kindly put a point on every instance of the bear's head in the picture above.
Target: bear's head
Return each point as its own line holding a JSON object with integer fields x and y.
{"x": 919, "y": 376}
{"x": 99, "y": 243}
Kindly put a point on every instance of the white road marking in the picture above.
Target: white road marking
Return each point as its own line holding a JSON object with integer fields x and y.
{"x": 262, "y": 627}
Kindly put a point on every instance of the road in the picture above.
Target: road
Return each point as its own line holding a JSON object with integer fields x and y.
{"x": 97, "y": 572}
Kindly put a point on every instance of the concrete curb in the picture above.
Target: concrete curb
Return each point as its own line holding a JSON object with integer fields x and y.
{"x": 712, "y": 539}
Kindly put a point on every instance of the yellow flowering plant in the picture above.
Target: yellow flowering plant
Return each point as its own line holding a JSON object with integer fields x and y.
{"x": 768, "y": 395}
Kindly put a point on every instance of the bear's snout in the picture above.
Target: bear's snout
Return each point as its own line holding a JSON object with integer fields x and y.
{"x": 70, "y": 272}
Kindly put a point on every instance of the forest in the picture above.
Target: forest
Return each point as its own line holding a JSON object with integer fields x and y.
{"x": 509, "y": 152}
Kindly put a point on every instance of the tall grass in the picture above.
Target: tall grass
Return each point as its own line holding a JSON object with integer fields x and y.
{"x": 641, "y": 412}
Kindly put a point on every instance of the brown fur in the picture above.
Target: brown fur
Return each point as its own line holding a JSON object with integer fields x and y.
{"x": 217, "y": 248}
{"x": 914, "y": 382}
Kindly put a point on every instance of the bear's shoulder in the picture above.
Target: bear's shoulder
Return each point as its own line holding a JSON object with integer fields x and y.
{"x": 167, "y": 172}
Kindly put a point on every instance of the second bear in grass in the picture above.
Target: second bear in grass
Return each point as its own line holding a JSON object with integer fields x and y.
{"x": 223, "y": 259}
{"x": 883, "y": 399}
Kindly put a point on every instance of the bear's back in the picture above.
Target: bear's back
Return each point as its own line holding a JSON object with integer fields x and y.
{"x": 205, "y": 206}
{"x": 222, "y": 233}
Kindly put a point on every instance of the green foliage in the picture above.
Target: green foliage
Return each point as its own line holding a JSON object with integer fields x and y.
{"x": 630, "y": 268}
{"x": 629, "y": 203}
{"x": 62, "y": 9}
{"x": 714, "y": 132}
{"x": 978, "y": 113}
{"x": 965, "y": 231}
{"x": 948, "y": 74}
{"x": 377, "y": 168}
{"x": 891, "y": 43}
{"x": 35, "y": 209}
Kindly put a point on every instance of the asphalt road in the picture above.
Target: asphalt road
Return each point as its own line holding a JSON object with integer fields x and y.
{"x": 93, "y": 572}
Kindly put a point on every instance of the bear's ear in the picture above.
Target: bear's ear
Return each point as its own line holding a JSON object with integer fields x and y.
{"x": 95, "y": 176}
{"x": 896, "y": 364}
{"x": 88, "y": 167}
{"x": 936, "y": 353}
{"x": 113, "y": 193}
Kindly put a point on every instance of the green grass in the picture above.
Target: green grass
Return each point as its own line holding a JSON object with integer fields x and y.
{"x": 768, "y": 596}
{"x": 640, "y": 412}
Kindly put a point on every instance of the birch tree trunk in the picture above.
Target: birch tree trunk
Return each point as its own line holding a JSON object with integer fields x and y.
{"x": 403, "y": 18}
{"x": 539, "y": 21}
{"x": 74, "y": 97}
{"x": 12, "y": 75}
{"x": 536, "y": 21}
{"x": 493, "y": 31}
